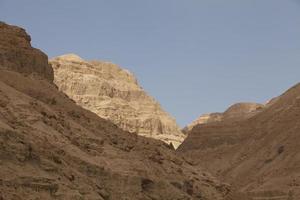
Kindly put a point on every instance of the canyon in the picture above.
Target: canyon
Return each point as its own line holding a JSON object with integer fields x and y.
{"x": 86, "y": 130}
{"x": 51, "y": 148}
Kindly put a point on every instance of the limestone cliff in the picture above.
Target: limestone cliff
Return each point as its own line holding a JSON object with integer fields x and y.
{"x": 113, "y": 93}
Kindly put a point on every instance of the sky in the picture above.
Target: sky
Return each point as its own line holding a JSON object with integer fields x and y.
{"x": 193, "y": 56}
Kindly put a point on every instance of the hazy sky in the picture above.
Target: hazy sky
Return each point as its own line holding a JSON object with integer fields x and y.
{"x": 193, "y": 56}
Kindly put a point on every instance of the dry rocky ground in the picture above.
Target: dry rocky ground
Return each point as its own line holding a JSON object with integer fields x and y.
{"x": 51, "y": 148}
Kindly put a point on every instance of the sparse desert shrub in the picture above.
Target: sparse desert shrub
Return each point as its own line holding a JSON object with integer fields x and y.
{"x": 146, "y": 184}
{"x": 280, "y": 150}
{"x": 53, "y": 101}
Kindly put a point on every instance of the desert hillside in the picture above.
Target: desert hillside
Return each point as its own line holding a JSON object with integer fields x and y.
{"x": 114, "y": 94}
{"x": 51, "y": 148}
{"x": 259, "y": 154}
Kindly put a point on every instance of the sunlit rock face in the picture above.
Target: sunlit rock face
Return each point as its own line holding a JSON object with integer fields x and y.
{"x": 113, "y": 93}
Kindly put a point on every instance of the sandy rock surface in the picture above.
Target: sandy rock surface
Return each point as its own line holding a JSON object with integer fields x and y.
{"x": 114, "y": 93}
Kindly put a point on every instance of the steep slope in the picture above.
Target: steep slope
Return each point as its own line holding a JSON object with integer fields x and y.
{"x": 235, "y": 112}
{"x": 50, "y": 148}
{"x": 113, "y": 93}
{"x": 259, "y": 155}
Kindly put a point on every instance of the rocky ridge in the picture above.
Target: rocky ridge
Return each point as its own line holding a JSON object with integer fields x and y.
{"x": 113, "y": 93}
{"x": 235, "y": 112}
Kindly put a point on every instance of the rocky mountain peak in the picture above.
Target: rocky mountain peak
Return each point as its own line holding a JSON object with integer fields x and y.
{"x": 114, "y": 93}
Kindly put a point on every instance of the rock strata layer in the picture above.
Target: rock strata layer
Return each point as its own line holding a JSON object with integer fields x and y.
{"x": 113, "y": 93}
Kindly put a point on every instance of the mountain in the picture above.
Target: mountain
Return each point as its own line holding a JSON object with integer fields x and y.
{"x": 235, "y": 112}
{"x": 51, "y": 148}
{"x": 114, "y": 94}
{"x": 258, "y": 154}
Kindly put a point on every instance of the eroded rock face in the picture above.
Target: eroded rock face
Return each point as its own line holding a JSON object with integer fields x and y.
{"x": 17, "y": 54}
{"x": 113, "y": 93}
{"x": 235, "y": 112}
{"x": 51, "y": 148}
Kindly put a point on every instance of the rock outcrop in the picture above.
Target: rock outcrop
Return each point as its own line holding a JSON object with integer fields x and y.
{"x": 17, "y": 54}
{"x": 235, "y": 112}
{"x": 51, "y": 148}
{"x": 258, "y": 154}
{"x": 113, "y": 93}
{"x": 203, "y": 119}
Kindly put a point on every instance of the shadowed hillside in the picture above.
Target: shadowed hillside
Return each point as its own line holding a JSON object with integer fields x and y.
{"x": 258, "y": 155}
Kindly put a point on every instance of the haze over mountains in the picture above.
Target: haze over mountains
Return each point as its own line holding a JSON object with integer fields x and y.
{"x": 76, "y": 129}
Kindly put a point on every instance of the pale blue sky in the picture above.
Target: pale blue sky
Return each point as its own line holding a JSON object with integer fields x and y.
{"x": 193, "y": 56}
